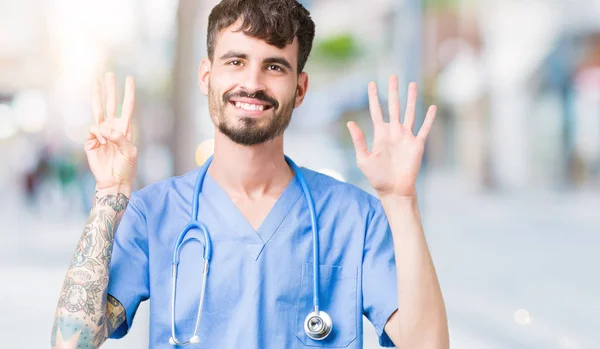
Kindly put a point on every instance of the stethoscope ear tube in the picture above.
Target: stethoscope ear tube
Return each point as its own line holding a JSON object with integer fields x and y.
{"x": 194, "y": 339}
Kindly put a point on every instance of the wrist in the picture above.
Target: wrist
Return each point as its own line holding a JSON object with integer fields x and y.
{"x": 399, "y": 205}
{"x": 124, "y": 189}
{"x": 396, "y": 199}
{"x": 404, "y": 192}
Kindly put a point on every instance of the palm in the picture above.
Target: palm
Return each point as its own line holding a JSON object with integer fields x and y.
{"x": 393, "y": 163}
{"x": 114, "y": 161}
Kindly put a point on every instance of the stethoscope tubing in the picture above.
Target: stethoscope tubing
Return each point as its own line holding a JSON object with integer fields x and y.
{"x": 313, "y": 221}
{"x": 195, "y": 224}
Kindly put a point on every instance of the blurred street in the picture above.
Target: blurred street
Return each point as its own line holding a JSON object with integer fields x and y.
{"x": 517, "y": 271}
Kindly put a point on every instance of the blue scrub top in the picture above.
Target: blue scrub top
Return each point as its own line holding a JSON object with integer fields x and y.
{"x": 260, "y": 283}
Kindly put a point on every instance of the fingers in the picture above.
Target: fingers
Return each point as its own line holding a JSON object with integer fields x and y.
{"x": 97, "y": 101}
{"x": 118, "y": 138}
{"x": 128, "y": 104}
{"x": 428, "y": 123}
{"x": 411, "y": 106}
{"x": 111, "y": 96}
{"x": 102, "y": 134}
{"x": 95, "y": 133}
{"x": 374, "y": 106}
{"x": 358, "y": 138}
{"x": 393, "y": 99}
{"x": 124, "y": 123}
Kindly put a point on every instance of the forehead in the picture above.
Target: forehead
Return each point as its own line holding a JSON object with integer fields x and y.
{"x": 231, "y": 38}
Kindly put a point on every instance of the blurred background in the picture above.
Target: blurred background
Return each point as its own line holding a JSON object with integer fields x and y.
{"x": 511, "y": 177}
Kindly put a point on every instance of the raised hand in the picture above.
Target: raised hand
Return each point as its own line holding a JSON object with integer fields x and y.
{"x": 111, "y": 155}
{"x": 394, "y": 161}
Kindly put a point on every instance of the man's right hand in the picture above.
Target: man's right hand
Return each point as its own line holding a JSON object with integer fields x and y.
{"x": 111, "y": 155}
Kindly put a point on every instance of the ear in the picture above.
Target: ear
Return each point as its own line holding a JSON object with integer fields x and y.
{"x": 301, "y": 89}
{"x": 204, "y": 75}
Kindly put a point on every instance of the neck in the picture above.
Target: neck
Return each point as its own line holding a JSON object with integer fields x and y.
{"x": 250, "y": 171}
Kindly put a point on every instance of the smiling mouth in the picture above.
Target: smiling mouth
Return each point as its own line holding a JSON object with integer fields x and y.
{"x": 250, "y": 106}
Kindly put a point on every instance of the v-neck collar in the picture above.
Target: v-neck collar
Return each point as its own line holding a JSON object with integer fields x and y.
{"x": 255, "y": 240}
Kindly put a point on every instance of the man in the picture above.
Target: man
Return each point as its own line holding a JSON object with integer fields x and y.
{"x": 373, "y": 255}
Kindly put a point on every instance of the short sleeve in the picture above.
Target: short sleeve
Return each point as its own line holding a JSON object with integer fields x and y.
{"x": 380, "y": 295}
{"x": 128, "y": 278}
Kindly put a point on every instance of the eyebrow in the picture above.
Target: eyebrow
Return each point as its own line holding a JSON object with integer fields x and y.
{"x": 270, "y": 60}
{"x": 233, "y": 54}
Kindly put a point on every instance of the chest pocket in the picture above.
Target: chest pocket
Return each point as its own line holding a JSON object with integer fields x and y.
{"x": 338, "y": 297}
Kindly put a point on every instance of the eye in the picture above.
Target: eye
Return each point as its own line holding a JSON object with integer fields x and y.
{"x": 235, "y": 63}
{"x": 275, "y": 67}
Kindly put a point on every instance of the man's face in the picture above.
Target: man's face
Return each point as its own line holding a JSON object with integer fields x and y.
{"x": 253, "y": 87}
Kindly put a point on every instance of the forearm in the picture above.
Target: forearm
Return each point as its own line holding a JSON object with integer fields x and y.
{"x": 80, "y": 320}
{"x": 421, "y": 316}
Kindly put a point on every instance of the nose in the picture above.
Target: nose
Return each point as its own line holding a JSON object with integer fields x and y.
{"x": 253, "y": 80}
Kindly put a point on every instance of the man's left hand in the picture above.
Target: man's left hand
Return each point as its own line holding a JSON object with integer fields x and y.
{"x": 394, "y": 161}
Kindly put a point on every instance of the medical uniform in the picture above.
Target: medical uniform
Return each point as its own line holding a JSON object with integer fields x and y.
{"x": 260, "y": 283}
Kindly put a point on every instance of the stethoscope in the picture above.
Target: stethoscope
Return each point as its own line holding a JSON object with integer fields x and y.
{"x": 317, "y": 324}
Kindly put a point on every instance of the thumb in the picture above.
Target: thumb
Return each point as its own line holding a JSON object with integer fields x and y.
{"x": 358, "y": 138}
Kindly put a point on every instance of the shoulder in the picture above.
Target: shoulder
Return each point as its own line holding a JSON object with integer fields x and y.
{"x": 158, "y": 192}
{"x": 346, "y": 195}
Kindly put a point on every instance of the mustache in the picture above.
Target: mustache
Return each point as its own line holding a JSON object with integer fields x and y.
{"x": 260, "y": 95}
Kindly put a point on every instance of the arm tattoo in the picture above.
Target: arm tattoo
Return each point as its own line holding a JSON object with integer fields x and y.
{"x": 115, "y": 314}
{"x": 116, "y": 202}
{"x": 80, "y": 296}
{"x": 86, "y": 315}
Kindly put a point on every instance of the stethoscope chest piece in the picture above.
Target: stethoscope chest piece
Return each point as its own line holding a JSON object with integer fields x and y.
{"x": 317, "y": 325}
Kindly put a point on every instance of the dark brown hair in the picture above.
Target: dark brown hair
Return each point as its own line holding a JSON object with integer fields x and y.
{"x": 277, "y": 22}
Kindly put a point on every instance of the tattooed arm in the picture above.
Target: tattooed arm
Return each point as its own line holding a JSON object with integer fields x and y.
{"x": 86, "y": 315}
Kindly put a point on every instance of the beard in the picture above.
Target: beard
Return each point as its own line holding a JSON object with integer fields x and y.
{"x": 247, "y": 130}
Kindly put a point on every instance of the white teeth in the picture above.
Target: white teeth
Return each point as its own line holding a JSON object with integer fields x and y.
{"x": 250, "y": 107}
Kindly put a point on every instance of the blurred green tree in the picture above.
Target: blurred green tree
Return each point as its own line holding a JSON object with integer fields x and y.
{"x": 336, "y": 49}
